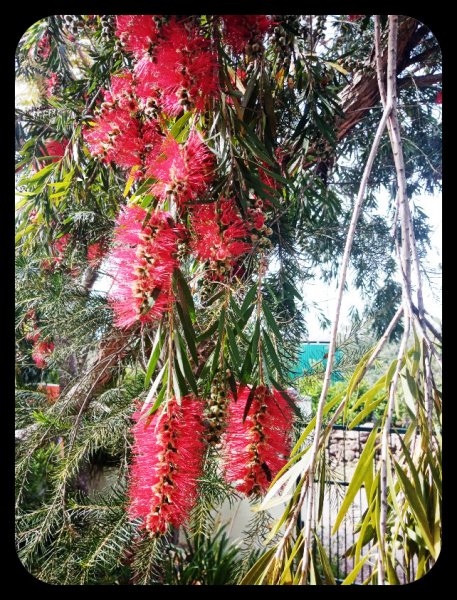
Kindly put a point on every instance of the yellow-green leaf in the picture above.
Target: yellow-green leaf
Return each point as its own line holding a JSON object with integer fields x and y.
{"x": 336, "y": 66}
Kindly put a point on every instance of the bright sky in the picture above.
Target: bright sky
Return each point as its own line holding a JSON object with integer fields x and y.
{"x": 325, "y": 295}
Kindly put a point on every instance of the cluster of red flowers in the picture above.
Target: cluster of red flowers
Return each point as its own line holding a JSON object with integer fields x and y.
{"x": 182, "y": 172}
{"x": 41, "y": 352}
{"x": 119, "y": 135}
{"x": 52, "y": 391}
{"x": 44, "y": 47}
{"x": 168, "y": 451}
{"x": 56, "y": 148}
{"x": 175, "y": 68}
{"x": 175, "y": 64}
{"x": 42, "y": 348}
{"x": 138, "y": 33}
{"x": 95, "y": 253}
{"x": 244, "y": 33}
{"x": 219, "y": 231}
{"x": 52, "y": 84}
{"x": 143, "y": 262}
{"x": 353, "y": 18}
{"x": 439, "y": 97}
{"x": 258, "y": 447}
{"x": 58, "y": 249}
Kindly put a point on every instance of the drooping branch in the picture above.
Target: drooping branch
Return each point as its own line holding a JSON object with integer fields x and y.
{"x": 332, "y": 347}
{"x": 420, "y": 80}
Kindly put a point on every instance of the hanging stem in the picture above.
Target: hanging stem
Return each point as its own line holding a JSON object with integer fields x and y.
{"x": 262, "y": 267}
{"x": 331, "y": 354}
{"x": 170, "y": 352}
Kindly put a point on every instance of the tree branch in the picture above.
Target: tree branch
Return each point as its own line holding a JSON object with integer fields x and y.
{"x": 420, "y": 80}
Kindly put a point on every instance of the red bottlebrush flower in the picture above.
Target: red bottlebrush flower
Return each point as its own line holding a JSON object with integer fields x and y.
{"x": 255, "y": 451}
{"x": 183, "y": 67}
{"x": 118, "y": 135}
{"x": 56, "y": 148}
{"x": 181, "y": 171}
{"x": 32, "y": 332}
{"x": 243, "y": 32}
{"x": 52, "y": 83}
{"x": 219, "y": 230}
{"x": 439, "y": 97}
{"x": 138, "y": 33}
{"x": 353, "y": 18}
{"x": 59, "y": 247}
{"x": 167, "y": 462}
{"x": 52, "y": 391}
{"x": 115, "y": 138}
{"x": 95, "y": 253}
{"x": 41, "y": 352}
{"x": 44, "y": 47}
{"x": 267, "y": 179}
{"x": 142, "y": 265}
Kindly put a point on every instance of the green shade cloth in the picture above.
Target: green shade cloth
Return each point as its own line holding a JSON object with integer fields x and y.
{"x": 312, "y": 358}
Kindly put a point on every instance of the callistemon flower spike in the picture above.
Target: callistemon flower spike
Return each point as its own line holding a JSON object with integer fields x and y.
{"x": 244, "y": 33}
{"x": 142, "y": 265}
{"x": 167, "y": 463}
{"x": 183, "y": 67}
{"x": 182, "y": 171}
{"x": 256, "y": 449}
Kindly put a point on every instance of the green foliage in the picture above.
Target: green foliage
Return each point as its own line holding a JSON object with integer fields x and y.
{"x": 207, "y": 560}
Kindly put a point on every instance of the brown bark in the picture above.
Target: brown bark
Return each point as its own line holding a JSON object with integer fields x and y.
{"x": 363, "y": 92}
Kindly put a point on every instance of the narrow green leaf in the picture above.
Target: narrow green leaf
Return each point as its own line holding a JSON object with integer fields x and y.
{"x": 365, "y": 412}
{"x": 391, "y": 574}
{"x": 130, "y": 180}
{"x": 180, "y": 380}
{"x": 254, "y": 346}
{"x": 233, "y": 348}
{"x": 208, "y": 332}
{"x": 232, "y": 383}
{"x": 184, "y": 294}
{"x": 417, "y": 508}
{"x": 258, "y": 569}
{"x": 327, "y": 569}
{"x": 189, "y": 333}
{"x": 249, "y": 402}
{"x": 271, "y": 320}
{"x": 336, "y": 66}
{"x": 159, "y": 399}
{"x": 154, "y": 386}
{"x": 180, "y": 124}
{"x": 176, "y": 382}
{"x": 248, "y": 299}
{"x": 185, "y": 366}
{"x": 363, "y": 464}
{"x": 298, "y": 544}
{"x": 241, "y": 323}
{"x": 272, "y": 353}
{"x": 349, "y": 580}
{"x": 312, "y": 424}
{"x": 246, "y": 369}
{"x": 155, "y": 353}
{"x": 38, "y": 176}
{"x": 234, "y": 306}
{"x": 217, "y": 349}
{"x": 366, "y": 532}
